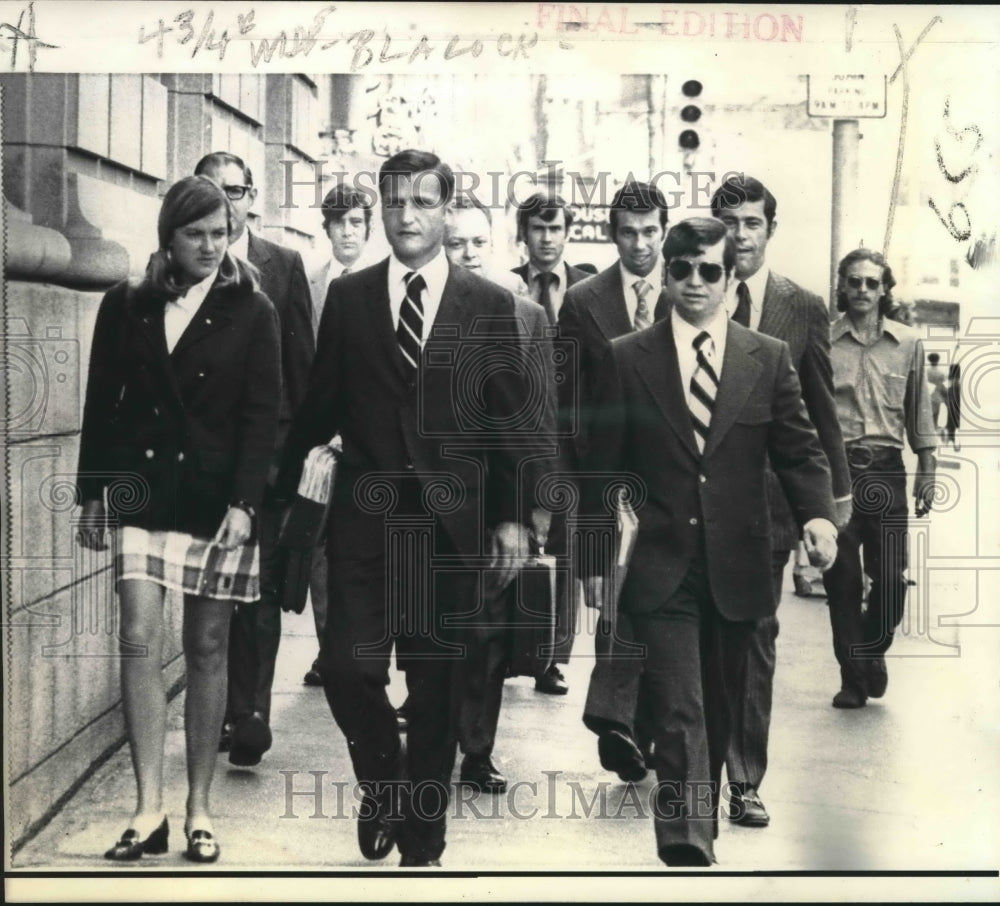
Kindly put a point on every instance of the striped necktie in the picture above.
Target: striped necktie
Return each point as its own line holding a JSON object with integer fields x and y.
{"x": 642, "y": 318}
{"x": 410, "y": 330}
{"x": 704, "y": 385}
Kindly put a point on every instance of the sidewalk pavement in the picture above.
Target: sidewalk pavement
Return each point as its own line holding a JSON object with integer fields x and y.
{"x": 908, "y": 783}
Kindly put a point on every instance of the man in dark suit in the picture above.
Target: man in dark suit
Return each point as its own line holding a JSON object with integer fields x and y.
{"x": 255, "y": 630}
{"x": 426, "y": 496}
{"x": 693, "y": 407}
{"x": 774, "y": 305}
{"x": 620, "y": 299}
{"x": 543, "y": 223}
{"x": 469, "y": 244}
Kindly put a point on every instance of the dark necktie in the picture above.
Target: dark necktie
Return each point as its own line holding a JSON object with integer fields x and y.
{"x": 546, "y": 279}
{"x": 409, "y": 331}
{"x": 704, "y": 384}
{"x": 742, "y": 313}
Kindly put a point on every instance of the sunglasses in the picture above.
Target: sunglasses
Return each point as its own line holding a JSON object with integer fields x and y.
{"x": 235, "y": 193}
{"x": 855, "y": 282}
{"x": 680, "y": 269}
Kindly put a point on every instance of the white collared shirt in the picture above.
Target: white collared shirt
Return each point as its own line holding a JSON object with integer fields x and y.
{"x": 435, "y": 274}
{"x": 241, "y": 247}
{"x": 684, "y": 336}
{"x": 654, "y": 278}
{"x": 757, "y": 285}
{"x": 180, "y": 312}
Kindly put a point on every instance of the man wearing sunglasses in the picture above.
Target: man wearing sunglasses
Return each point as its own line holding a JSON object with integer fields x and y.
{"x": 256, "y": 628}
{"x": 693, "y": 407}
{"x": 763, "y": 300}
{"x": 882, "y": 401}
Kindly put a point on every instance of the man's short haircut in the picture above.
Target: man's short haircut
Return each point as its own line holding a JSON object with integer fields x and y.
{"x": 412, "y": 163}
{"x": 544, "y": 205}
{"x": 885, "y": 304}
{"x": 219, "y": 159}
{"x": 933, "y": 358}
{"x": 639, "y": 198}
{"x": 740, "y": 188}
{"x": 694, "y": 235}
{"x": 471, "y": 203}
{"x": 341, "y": 199}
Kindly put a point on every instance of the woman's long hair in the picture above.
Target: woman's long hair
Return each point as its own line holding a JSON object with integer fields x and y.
{"x": 186, "y": 201}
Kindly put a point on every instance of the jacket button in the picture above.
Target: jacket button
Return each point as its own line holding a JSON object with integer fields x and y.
{"x": 702, "y": 479}
{"x": 150, "y": 454}
{"x": 409, "y": 465}
{"x": 208, "y": 320}
{"x": 180, "y": 457}
{"x": 156, "y": 410}
{"x": 201, "y": 374}
{"x": 693, "y": 521}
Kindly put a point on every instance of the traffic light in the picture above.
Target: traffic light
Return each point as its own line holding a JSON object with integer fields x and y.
{"x": 688, "y": 139}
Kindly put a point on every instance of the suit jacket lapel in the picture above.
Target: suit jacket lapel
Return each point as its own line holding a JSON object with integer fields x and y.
{"x": 774, "y": 313}
{"x": 146, "y": 317}
{"x": 609, "y": 310}
{"x": 212, "y": 316}
{"x": 256, "y": 252}
{"x": 658, "y": 368}
{"x": 739, "y": 375}
{"x": 375, "y": 300}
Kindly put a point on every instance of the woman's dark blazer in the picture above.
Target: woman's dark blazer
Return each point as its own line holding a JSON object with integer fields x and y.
{"x": 176, "y": 437}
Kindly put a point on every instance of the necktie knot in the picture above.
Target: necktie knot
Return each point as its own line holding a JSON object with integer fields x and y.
{"x": 415, "y": 285}
{"x": 700, "y": 341}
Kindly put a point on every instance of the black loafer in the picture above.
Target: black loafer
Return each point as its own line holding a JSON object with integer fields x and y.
{"x": 419, "y": 862}
{"x": 684, "y": 855}
{"x": 848, "y": 698}
{"x": 312, "y": 677}
{"x": 130, "y": 847}
{"x": 402, "y": 718}
{"x": 251, "y": 739}
{"x": 479, "y": 772}
{"x": 201, "y": 847}
{"x": 620, "y": 754}
{"x": 376, "y": 834}
{"x": 552, "y": 682}
{"x": 748, "y": 810}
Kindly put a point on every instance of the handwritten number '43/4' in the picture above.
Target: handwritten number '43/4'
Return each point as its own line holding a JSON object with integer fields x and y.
{"x": 959, "y": 233}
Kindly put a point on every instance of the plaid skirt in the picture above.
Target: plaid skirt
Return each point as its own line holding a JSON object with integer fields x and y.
{"x": 194, "y": 566}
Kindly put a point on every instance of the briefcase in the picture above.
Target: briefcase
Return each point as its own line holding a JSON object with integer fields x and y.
{"x": 533, "y": 616}
{"x": 303, "y": 526}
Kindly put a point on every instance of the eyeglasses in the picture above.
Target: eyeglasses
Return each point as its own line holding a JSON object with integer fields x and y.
{"x": 235, "y": 193}
{"x": 680, "y": 269}
{"x": 855, "y": 282}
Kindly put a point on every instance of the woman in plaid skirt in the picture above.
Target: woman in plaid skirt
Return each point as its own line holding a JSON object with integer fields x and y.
{"x": 179, "y": 426}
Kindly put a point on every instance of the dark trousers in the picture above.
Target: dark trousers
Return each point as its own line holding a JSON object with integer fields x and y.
{"x": 317, "y": 590}
{"x": 695, "y": 662}
{"x": 483, "y": 672}
{"x": 370, "y": 610}
{"x": 255, "y": 631}
{"x": 879, "y": 527}
{"x": 566, "y": 604}
{"x": 615, "y": 700}
{"x": 747, "y": 758}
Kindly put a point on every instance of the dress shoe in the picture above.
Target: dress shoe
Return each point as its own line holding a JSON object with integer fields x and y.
{"x": 747, "y": 809}
{"x": 130, "y": 847}
{"x": 313, "y": 676}
{"x": 376, "y": 834}
{"x": 552, "y": 682}
{"x": 878, "y": 677}
{"x": 419, "y": 862}
{"x": 251, "y": 739}
{"x": 201, "y": 846}
{"x": 402, "y": 718}
{"x": 620, "y": 754}
{"x": 226, "y": 737}
{"x": 849, "y": 698}
{"x": 478, "y": 771}
{"x": 684, "y": 855}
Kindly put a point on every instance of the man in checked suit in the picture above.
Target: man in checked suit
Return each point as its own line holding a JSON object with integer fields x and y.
{"x": 255, "y": 630}
{"x": 618, "y": 300}
{"x": 774, "y": 305}
{"x": 426, "y": 495}
{"x": 694, "y": 406}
